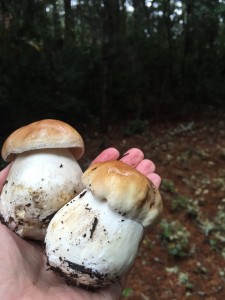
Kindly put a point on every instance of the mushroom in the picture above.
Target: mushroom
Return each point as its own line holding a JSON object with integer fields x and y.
{"x": 44, "y": 176}
{"x": 93, "y": 240}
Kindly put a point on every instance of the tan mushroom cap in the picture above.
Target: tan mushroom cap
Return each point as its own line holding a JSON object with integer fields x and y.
{"x": 127, "y": 191}
{"x": 48, "y": 133}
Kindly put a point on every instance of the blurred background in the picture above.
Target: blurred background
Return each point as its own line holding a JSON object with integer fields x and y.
{"x": 140, "y": 73}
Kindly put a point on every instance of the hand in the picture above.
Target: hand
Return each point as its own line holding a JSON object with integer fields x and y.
{"x": 135, "y": 158}
{"x": 23, "y": 270}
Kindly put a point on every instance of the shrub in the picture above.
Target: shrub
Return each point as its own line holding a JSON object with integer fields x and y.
{"x": 176, "y": 238}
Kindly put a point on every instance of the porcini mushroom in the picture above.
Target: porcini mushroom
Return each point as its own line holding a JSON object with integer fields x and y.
{"x": 44, "y": 176}
{"x": 94, "y": 239}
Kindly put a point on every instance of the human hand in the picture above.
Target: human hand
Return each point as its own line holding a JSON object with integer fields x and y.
{"x": 23, "y": 270}
{"x": 135, "y": 158}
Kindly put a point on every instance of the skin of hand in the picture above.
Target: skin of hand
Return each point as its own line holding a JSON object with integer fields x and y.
{"x": 23, "y": 270}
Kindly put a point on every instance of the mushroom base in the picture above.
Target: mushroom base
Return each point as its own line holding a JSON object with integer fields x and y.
{"x": 91, "y": 245}
{"x": 83, "y": 275}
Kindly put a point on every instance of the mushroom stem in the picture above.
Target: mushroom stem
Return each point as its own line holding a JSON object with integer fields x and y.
{"x": 90, "y": 244}
{"x": 39, "y": 183}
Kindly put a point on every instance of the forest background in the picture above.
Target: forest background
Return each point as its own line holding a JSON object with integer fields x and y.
{"x": 91, "y": 60}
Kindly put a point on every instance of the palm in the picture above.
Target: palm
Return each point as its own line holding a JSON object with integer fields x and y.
{"x": 24, "y": 274}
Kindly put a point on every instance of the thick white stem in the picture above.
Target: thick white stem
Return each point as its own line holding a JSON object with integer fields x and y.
{"x": 91, "y": 244}
{"x": 40, "y": 182}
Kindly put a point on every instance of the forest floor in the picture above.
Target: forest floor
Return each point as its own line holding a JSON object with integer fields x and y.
{"x": 183, "y": 257}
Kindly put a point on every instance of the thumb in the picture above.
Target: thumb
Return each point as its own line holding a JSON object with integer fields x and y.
{"x": 3, "y": 175}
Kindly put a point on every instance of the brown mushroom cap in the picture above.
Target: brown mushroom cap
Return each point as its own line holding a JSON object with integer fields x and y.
{"x": 43, "y": 134}
{"x": 127, "y": 191}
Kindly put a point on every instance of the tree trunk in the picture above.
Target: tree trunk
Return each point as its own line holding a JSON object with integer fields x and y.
{"x": 107, "y": 61}
{"x": 69, "y": 24}
{"x": 56, "y": 23}
{"x": 28, "y": 17}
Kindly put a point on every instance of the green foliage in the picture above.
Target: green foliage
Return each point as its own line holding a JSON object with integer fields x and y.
{"x": 127, "y": 292}
{"x": 180, "y": 202}
{"x": 176, "y": 238}
{"x": 214, "y": 229}
{"x": 190, "y": 206}
{"x": 168, "y": 185}
{"x": 207, "y": 226}
{"x": 184, "y": 279}
{"x": 193, "y": 210}
{"x": 217, "y": 239}
{"x": 219, "y": 218}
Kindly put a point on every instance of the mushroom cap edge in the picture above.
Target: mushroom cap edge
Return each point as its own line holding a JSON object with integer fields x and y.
{"x": 47, "y": 133}
{"x": 126, "y": 190}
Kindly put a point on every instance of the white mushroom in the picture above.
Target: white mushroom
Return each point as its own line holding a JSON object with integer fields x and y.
{"x": 44, "y": 176}
{"x": 94, "y": 239}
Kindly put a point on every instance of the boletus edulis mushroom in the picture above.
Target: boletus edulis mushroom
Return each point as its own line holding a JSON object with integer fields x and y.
{"x": 44, "y": 175}
{"x": 94, "y": 239}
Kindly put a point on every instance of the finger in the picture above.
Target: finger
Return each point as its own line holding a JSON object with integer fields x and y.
{"x": 132, "y": 157}
{"x": 3, "y": 175}
{"x": 155, "y": 179}
{"x": 146, "y": 167}
{"x": 107, "y": 154}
